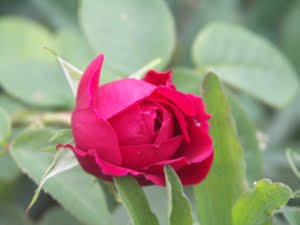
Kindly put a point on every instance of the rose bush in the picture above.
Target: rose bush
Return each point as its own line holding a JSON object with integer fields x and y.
{"x": 135, "y": 127}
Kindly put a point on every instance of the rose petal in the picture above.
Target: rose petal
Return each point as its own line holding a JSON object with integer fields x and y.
{"x": 139, "y": 156}
{"x": 92, "y": 132}
{"x": 181, "y": 100}
{"x": 89, "y": 84}
{"x": 195, "y": 173}
{"x": 159, "y": 78}
{"x": 200, "y": 146}
{"x": 201, "y": 116}
{"x": 116, "y": 96}
{"x": 136, "y": 125}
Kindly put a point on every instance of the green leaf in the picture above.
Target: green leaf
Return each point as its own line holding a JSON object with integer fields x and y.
{"x": 9, "y": 171}
{"x": 64, "y": 160}
{"x": 216, "y": 195}
{"x": 134, "y": 199}
{"x": 180, "y": 212}
{"x": 74, "y": 189}
{"x": 256, "y": 206}
{"x": 247, "y": 136}
{"x": 247, "y": 62}
{"x": 187, "y": 80}
{"x": 57, "y": 216}
{"x": 11, "y": 214}
{"x": 130, "y": 33}
{"x": 5, "y": 127}
{"x": 36, "y": 82}
{"x": 290, "y": 157}
{"x": 292, "y": 214}
{"x": 290, "y": 33}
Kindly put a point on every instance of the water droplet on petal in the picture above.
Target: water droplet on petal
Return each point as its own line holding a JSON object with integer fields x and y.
{"x": 197, "y": 123}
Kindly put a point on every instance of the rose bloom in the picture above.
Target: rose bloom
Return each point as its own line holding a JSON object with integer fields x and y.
{"x": 135, "y": 127}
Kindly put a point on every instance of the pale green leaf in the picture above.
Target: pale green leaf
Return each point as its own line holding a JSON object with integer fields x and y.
{"x": 64, "y": 160}
{"x": 134, "y": 199}
{"x": 245, "y": 61}
{"x": 57, "y": 216}
{"x": 292, "y": 214}
{"x": 256, "y": 206}
{"x": 180, "y": 212}
{"x": 74, "y": 189}
{"x": 187, "y": 80}
{"x": 216, "y": 195}
{"x": 130, "y": 33}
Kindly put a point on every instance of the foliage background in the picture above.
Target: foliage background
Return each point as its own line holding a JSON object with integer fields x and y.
{"x": 33, "y": 88}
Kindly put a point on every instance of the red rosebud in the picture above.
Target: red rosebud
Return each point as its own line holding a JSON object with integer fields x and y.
{"x": 135, "y": 127}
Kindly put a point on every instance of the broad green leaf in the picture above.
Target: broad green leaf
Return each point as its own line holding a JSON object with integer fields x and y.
{"x": 256, "y": 206}
{"x": 247, "y": 136}
{"x": 292, "y": 214}
{"x": 74, "y": 189}
{"x": 36, "y": 82}
{"x": 133, "y": 197}
{"x": 290, "y": 33}
{"x": 180, "y": 212}
{"x": 11, "y": 214}
{"x": 216, "y": 195}
{"x": 57, "y": 216}
{"x": 23, "y": 39}
{"x": 63, "y": 133}
{"x": 5, "y": 127}
{"x": 187, "y": 80}
{"x": 64, "y": 160}
{"x": 11, "y": 104}
{"x": 245, "y": 61}
{"x": 130, "y": 33}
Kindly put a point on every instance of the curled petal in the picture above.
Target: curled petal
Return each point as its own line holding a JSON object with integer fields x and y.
{"x": 159, "y": 78}
{"x": 89, "y": 84}
{"x": 92, "y": 132}
{"x": 142, "y": 155}
{"x": 116, "y": 96}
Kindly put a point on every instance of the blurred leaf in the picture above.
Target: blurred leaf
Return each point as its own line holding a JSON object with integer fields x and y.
{"x": 247, "y": 62}
{"x": 284, "y": 123}
{"x": 23, "y": 39}
{"x": 247, "y": 135}
{"x": 64, "y": 160}
{"x": 11, "y": 104}
{"x": 36, "y": 82}
{"x": 66, "y": 133}
{"x": 256, "y": 206}
{"x": 130, "y": 33}
{"x": 12, "y": 215}
{"x": 9, "y": 171}
{"x": 133, "y": 197}
{"x": 187, "y": 80}
{"x": 180, "y": 212}
{"x": 75, "y": 190}
{"x": 57, "y": 216}
{"x": 292, "y": 214}
{"x": 60, "y": 13}
{"x": 191, "y": 16}
{"x": 27, "y": 71}
{"x": 291, "y": 156}
{"x": 121, "y": 217}
{"x": 5, "y": 127}
{"x": 291, "y": 33}
{"x": 216, "y": 195}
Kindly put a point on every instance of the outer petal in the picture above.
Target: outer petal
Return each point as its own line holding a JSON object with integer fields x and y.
{"x": 139, "y": 156}
{"x": 200, "y": 146}
{"x": 159, "y": 78}
{"x": 89, "y": 84}
{"x": 196, "y": 172}
{"x": 116, "y": 96}
{"x": 92, "y": 132}
{"x": 201, "y": 116}
{"x": 182, "y": 101}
